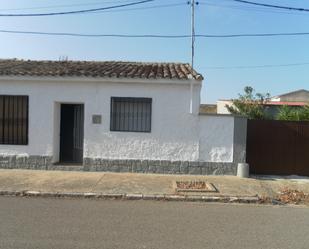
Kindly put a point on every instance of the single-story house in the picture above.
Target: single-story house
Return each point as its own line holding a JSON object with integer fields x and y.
{"x": 113, "y": 116}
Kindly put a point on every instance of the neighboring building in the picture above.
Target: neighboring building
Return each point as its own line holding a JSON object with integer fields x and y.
{"x": 222, "y": 106}
{"x": 295, "y": 99}
{"x": 208, "y": 109}
{"x": 299, "y": 96}
{"x": 112, "y": 116}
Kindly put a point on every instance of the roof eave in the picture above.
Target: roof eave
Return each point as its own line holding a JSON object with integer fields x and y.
{"x": 101, "y": 79}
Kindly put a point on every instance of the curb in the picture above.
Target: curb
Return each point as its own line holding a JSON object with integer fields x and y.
{"x": 159, "y": 197}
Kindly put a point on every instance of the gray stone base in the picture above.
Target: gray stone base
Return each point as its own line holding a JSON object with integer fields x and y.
{"x": 160, "y": 167}
{"x": 24, "y": 162}
{"x": 111, "y": 165}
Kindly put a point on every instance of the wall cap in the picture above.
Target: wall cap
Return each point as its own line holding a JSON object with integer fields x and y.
{"x": 222, "y": 115}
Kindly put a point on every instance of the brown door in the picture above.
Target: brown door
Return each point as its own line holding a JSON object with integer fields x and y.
{"x": 71, "y": 133}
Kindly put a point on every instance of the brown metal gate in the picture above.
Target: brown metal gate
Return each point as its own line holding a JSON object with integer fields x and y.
{"x": 278, "y": 147}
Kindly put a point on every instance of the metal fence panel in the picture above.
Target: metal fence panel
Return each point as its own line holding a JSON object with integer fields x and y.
{"x": 278, "y": 147}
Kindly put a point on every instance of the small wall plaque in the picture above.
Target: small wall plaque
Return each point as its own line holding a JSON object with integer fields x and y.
{"x": 96, "y": 119}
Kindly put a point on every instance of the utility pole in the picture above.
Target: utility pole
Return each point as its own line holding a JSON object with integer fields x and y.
{"x": 192, "y": 3}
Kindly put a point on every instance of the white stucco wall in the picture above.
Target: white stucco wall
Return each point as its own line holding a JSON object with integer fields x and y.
{"x": 174, "y": 134}
{"x": 216, "y": 138}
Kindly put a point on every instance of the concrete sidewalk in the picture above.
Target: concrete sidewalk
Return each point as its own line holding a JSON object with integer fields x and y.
{"x": 139, "y": 184}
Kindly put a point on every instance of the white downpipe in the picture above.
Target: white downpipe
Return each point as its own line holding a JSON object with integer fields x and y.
{"x": 192, "y": 3}
{"x": 191, "y": 97}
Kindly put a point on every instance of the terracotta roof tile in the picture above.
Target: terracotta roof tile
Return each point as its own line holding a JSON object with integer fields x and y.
{"x": 112, "y": 69}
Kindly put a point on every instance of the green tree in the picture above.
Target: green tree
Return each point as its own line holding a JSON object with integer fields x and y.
{"x": 250, "y": 104}
{"x": 291, "y": 113}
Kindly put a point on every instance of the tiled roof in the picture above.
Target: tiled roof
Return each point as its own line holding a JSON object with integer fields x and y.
{"x": 110, "y": 69}
{"x": 289, "y": 103}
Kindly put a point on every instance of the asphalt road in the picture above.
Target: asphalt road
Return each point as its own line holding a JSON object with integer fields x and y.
{"x": 80, "y": 223}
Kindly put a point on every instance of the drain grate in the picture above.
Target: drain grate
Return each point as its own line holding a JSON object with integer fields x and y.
{"x": 194, "y": 186}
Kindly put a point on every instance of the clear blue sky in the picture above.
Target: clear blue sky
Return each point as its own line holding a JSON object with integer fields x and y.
{"x": 213, "y": 17}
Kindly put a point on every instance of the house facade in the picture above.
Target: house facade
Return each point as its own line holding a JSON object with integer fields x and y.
{"x": 112, "y": 116}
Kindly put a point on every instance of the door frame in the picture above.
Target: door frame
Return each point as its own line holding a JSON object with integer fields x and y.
{"x": 57, "y": 131}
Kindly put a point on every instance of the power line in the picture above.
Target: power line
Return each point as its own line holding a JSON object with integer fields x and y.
{"x": 141, "y": 8}
{"x": 259, "y": 66}
{"x": 93, "y": 35}
{"x": 75, "y": 11}
{"x": 67, "y": 5}
{"x": 254, "y": 9}
{"x": 254, "y": 35}
{"x": 151, "y": 35}
{"x": 271, "y": 5}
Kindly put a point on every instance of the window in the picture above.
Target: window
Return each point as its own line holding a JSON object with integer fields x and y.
{"x": 13, "y": 120}
{"x": 131, "y": 114}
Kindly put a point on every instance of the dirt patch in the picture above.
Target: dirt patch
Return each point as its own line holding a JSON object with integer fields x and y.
{"x": 195, "y": 186}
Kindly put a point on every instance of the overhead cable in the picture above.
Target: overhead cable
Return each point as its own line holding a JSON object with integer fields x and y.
{"x": 75, "y": 11}
{"x": 66, "y": 5}
{"x": 271, "y": 5}
{"x": 153, "y": 35}
{"x": 257, "y": 66}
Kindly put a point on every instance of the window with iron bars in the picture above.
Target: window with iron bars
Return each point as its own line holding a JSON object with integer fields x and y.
{"x": 131, "y": 114}
{"x": 14, "y": 120}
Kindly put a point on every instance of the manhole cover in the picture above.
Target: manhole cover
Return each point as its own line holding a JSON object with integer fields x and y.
{"x": 194, "y": 186}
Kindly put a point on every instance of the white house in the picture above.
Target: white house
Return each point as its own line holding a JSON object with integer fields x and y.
{"x": 112, "y": 116}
